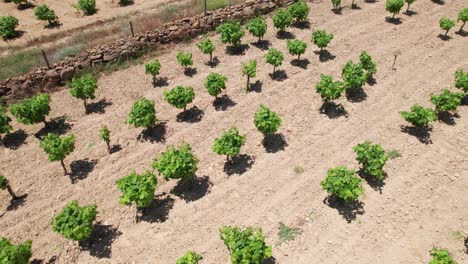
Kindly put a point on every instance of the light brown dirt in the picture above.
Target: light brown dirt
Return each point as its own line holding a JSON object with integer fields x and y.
{"x": 421, "y": 204}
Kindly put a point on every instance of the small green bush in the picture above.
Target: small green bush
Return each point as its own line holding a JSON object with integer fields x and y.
{"x": 368, "y": 64}
{"x": 441, "y": 256}
{"x": 142, "y": 114}
{"x": 43, "y": 12}
{"x": 153, "y": 68}
{"x": 5, "y": 126}
{"x": 8, "y": 26}
{"x": 296, "y": 47}
{"x": 215, "y": 83}
{"x": 394, "y": 6}
{"x": 419, "y": 116}
{"x": 231, "y": 33}
{"x": 336, "y": 5}
{"x": 87, "y": 6}
{"x": 282, "y": 19}
{"x": 84, "y": 88}
{"x": 266, "y": 121}
{"x": 176, "y": 163}
{"x": 353, "y": 75}
{"x": 104, "y": 134}
{"x": 328, "y": 89}
{"x": 446, "y": 100}
{"x": 229, "y": 143}
{"x": 249, "y": 69}
{"x": 14, "y": 254}
{"x": 138, "y": 188}
{"x": 245, "y": 246}
{"x": 321, "y": 38}
{"x": 185, "y": 59}
{"x": 180, "y": 96}
{"x": 446, "y": 24}
{"x": 190, "y": 258}
{"x": 58, "y": 148}
{"x": 343, "y": 183}
{"x": 461, "y": 80}
{"x": 372, "y": 158}
{"x": 274, "y": 57}
{"x": 33, "y": 110}
{"x": 207, "y": 47}
{"x": 257, "y": 27}
{"x": 75, "y": 222}
{"x": 463, "y": 17}
{"x": 299, "y": 11}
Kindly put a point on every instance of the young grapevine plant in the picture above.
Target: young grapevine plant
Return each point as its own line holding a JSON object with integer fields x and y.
{"x": 461, "y": 80}
{"x": 282, "y": 19}
{"x": 215, "y": 83}
{"x": 4, "y": 184}
{"x": 446, "y": 100}
{"x": 296, "y": 47}
{"x": 419, "y": 116}
{"x": 75, "y": 222}
{"x": 372, "y": 159}
{"x": 190, "y": 258}
{"x": 353, "y": 75}
{"x": 32, "y": 110}
{"x": 104, "y": 134}
{"x": 207, "y": 47}
{"x": 336, "y": 5}
{"x": 321, "y": 38}
{"x": 5, "y": 126}
{"x": 463, "y": 17}
{"x": 328, "y": 89}
{"x": 14, "y": 254}
{"x": 409, "y": 2}
{"x": 231, "y": 33}
{"x": 249, "y": 70}
{"x": 142, "y": 114}
{"x": 229, "y": 143}
{"x": 84, "y": 88}
{"x": 245, "y": 246}
{"x": 299, "y": 11}
{"x": 180, "y": 96}
{"x": 257, "y": 27}
{"x": 441, "y": 256}
{"x": 368, "y": 64}
{"x": 153, "y": 68}
{"x": 44, "y": 13}
{"x": 446, "y": 24}
{"x": 185, "y": 59}
{"x": 266, "y": 121}
{"x": 8, "y": 26}
{"x": 177, "y": 163}
{"x": 342, "y": 183}
{"x": 394, "y": 6}
{"x": 274, "y": 57}
{"x": 87, "y": 6}
{"x": 137, "y": 188}
{"x": 58, "y": 148}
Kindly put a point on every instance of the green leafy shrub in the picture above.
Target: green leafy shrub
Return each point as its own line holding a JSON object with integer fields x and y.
{"x": 138, "y": 188}
{"x": 419, "y": 116}
{"x": 185, "y": 59}
{"x": 463, "y": 17}
{"x": 342, "y": 183}
{"x": 215, "y": 83}
{"x": 58, "y": 148}
{"x": 84, "y": 88}
{"x": 321, "y": 38}
{"x": 249, "y": 69}
{"x": 368, "y": 64}
{"x": 245, "y": 246}
{"x": 274, "y": 57}
{"x": 87, "y": 6}
{"x": 43, "y": 12}
{"x": 353, "y": 75}
{"x": 14, "y": 254}
{"x": 446, "y": 100}
{"x": 207, "y": 47}
{"x": 231, "y": 33}
{"x": 143, "y": 114}
{"x": 75, "y": 222}
{"x": 441, "y": 256}
{"x": 461, "y": 80}
{"x": 299, "y": 11}
{"x": 104, "y": 134}
{"x": 446, "y": 24}
{"x": 394, "y": 6}
{"x": 328, "y": 89}
{"x": 180, "y": 96}
{"x": 282, "y": 19}
{"x": 190, "y": 258}
{"x": 336, "y": 5}
{"x": 5, "y": 126}
{"x": 229, "y": 143}
{"x": 32, "y": 110}
{"x": 153, "y": 68}
{"x": 266, "y": 121}
{"x": 8, "y": 26}
{"x": 296, "y": 47}
{"x": 372, "y": 158}
{"x": 257, "y": 27}
{"x": 409, "y": 2}
{"x": 177, "y": 163}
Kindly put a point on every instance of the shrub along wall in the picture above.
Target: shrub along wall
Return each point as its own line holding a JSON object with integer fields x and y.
{"x": 44, "y": 79}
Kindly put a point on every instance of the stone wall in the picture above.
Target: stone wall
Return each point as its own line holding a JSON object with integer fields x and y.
{"x": 44, "y": 79}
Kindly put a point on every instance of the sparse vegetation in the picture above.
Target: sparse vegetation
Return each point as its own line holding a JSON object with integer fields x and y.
{"x": 446, "y": 24}
{"x": 58, "y": 148}
{"x": 419, "y": 116}
{"x": 393, "y": 154}
{"x": 298, "y": 170}
{"x": 215, "y": 83}
{"x": 190, "y": 258}
{"x": 274, "y": 57}
{"x": 321, "y": 38}
{"x": 257, "y": 27}
{"x": 8, "y": 26}
{"x": 282, "y": 19}
{"x": 207, "y": 47}
{"x": 296, "y": 47}
{"x": 286, "y": 233}
{"x": 180, "y": 96}
{"x": 343, "y": 183}
{"x": 246, "y": 246}
{"x": 142, "y": 114}
{"x": 229, "y": 143}
{"x": 83, "y": 88}
{"x": 15, "y": 254}
{"x": 177, "y": 163}
{"x": 441, "y": 256}
{"x": 75, "y": 222}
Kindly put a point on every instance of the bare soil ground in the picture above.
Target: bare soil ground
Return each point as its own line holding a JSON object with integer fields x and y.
{"x": 421, "y": 203}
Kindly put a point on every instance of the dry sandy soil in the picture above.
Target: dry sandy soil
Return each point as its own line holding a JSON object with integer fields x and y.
{"x": 421, "y": 204}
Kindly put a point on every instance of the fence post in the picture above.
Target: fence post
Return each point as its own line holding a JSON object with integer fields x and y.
{"x": 204, "y": 7}
{"x": 45, "y": 58}
{"x": 131, "y": 29}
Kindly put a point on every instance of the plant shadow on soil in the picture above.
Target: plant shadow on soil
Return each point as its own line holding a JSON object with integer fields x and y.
{"x": 262, "y": 44}
{"x": 301, "y": 24}
{"x": 444, "y": 37}
{"x": 223, "y": 103}
{"x": 52, "y": 260}
{"x": 301, "y": 63}
{"x": 333, "y": 110}
{"x": 423, "y": 134}
{"x": 15, "y": 140}
{"x": 349, "y": 211}
{"x": 154, "y": 134}
{"x": 159, "y": 209}
{"x": 239, "y": 164}
{"x": 116, "y": 148}
{"x": 190, "y": 72}
{"x": 237, "y": 50}
{"x": 80, "y": 169}
{"x": 410, "y": 13}
{"x": 279, "y": 75}
{"x": 194, "y": 189}
{"x": 160, "y": 82}
{"x": 373, "y": 182}
{"x": 192, "y": 115}
{"x": 285, "y": 35}
{"x": 439, "y": 2}
{"x": 18, "y": 202}
{"x": 100, "y": 242}
{"x": 57, "y": 125}
{"x": 356, "y": 95}
{"x": 274, "y": 143}
{"x": 338, "y": 11}
{"x": 448, "y": 118}
{"x": 395, "y": 21}
{"x": 324, "y": 55}
{"x": 462, "y": 33}
{"x": 99, "y": 107}
{"x": 371, "y": 81}
{"x": 270, "y": 260}
{"x": 257, "y": 86}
